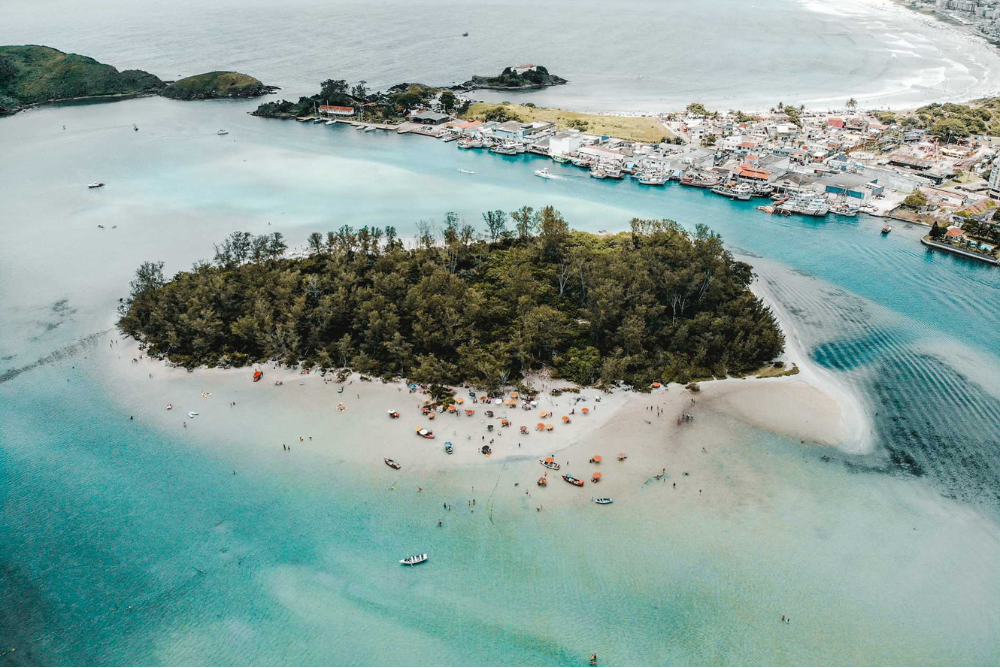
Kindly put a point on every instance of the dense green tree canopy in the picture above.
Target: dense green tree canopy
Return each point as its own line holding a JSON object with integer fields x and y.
{"x": 658, "y": 303}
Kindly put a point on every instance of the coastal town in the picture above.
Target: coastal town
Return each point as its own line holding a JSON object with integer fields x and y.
{"x": 924, "y": 168}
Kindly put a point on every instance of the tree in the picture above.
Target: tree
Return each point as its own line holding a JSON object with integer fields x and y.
{"x": 359, "y": 92}
{"x": 332, "y": 88}
{"x": 852, "y": 104}
{"x": 500, "y": 114}
{"x": 697, "y": 109}
{"x": 937, "y": 231}
{"x": 8, "y": 72}
{"x": 950, "y": 129}
{"x": 708, "y": 139}
{"x": 915, "y": 200}
{"x": 448, "y": 100}
{"x": 525, "y": 222}
{"x": 496, "y": 224}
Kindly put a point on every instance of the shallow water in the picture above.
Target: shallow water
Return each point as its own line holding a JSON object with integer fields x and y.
{"x": 294, "y": 561}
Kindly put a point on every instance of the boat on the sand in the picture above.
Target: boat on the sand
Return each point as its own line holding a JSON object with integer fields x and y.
{"x": 391, "y": 463}
{"x": 414, "y": 560}
{"x": 573, "y": 481}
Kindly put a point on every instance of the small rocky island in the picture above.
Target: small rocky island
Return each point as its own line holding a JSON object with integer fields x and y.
{"x": 517, "y": 77}
{"x": 32, "y": 75}
{"x": 213, "y": 85}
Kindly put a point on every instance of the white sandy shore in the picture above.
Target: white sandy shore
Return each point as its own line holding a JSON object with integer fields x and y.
{"x": 302, "y": 414}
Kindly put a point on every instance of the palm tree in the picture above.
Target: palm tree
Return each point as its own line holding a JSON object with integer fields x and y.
{"x": 852, "y": 104}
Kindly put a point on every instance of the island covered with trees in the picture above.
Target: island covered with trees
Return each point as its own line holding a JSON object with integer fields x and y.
{"x": 657, "y": 303}
{"x": 31, "y": 75}
{"x": 527, "y": 76}
{"x": 375, "y": 105}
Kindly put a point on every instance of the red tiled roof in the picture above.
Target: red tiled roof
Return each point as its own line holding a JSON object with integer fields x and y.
{"x": 954, "y": 233}
{"x": 751, "y": 173}
{"x": 331, "y": 107}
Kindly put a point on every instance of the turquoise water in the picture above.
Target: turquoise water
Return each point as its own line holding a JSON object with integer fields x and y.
{"x": 283, "y": 563}
{"x": 885, "y": 558}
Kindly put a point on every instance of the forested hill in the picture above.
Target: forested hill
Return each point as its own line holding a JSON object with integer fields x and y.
{"x": 654, "y": 304}
{"x": 33, "y": 74}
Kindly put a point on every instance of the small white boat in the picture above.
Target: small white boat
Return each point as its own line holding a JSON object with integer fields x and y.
{"x": 96, "y": 184}
{"x": 192, "y": 414}
{"x": 466, "y": 171}
{"x": 544, "y": 173}
{"x": 887, "y": 229}
{"x": 604, "y": 501}
{"x": 222, "y": 132}
{"x": 414, "y": 560}
{"x": 170, "y": 407}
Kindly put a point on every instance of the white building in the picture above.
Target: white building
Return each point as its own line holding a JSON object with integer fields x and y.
{"x": 565, "y": 143}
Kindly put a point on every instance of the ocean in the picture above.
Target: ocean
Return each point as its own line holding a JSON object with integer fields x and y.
{"x": 128, "y": 544}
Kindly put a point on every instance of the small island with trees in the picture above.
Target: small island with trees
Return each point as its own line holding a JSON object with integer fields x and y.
{"x": 518, "y": 77}
{"x": 656, "y": 303}
{"x": 32, "y": 75}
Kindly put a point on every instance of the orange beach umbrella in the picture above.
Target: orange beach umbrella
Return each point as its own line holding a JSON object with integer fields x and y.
{"x": 586, "y": 410}
{"x": 565, "y": 418}
{"x": 549, "y": 460}
{"x": 540, "y": 426}
{"x": 596, "y": 459}
{"x": 544, "y": 413}
{"x": 597, "y": 476}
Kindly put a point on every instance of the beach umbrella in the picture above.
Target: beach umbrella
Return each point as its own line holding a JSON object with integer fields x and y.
{"x": 540, "y": 426}
{"x": 451, "y": 408}
{"x": 549, "y": 460}
{"x": 544, "y": 414}
{"x": 565, "y": 418}
{"x": 596, "y": 459}
{"x": 655, "y": 385}
{"x": 597, "y": 475}
{"x": 513, "y": 395}
{"x": 469, "y": 411}
{"x": 460, "y": 400}
{"x": 549, "y": 427}
{"x": 418, "y": 428}
{"x": 586, "y": 410}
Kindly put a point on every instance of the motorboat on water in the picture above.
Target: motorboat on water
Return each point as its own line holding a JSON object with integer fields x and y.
{"x": 222, "y": 132}
{"x": 887, "y": 228}
{"x": 561, "y": 159}
{"x": 740, "y": 191}
{"x": 466, "y": 171}
{"x": 449, "y": 448}
{"x": 414, "y": 560}
{"x": 96, "y": 184}
{"x": 652, "y": 179}
{"x": 844, "y": 209}
{"x": 806, "y": 205}
{"x": 170, "y": 407}
{"x": 504, "y": 149}
{"x": 391, "y": 463}
{"x": 604, "y": 501}
{"x": 544, "y": 173}
{"x": 598, "y": 174}
{"x": 469, "y": 143}
{"x": 549, "y": 463}
{"x": 192, "y": 414}
{"x": 573, "y": 481}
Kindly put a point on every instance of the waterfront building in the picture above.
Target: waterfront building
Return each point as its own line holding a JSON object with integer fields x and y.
{"x": 427, "y": 117}
{"x": 994, "y": 181}
{"x": 334, "y": 110}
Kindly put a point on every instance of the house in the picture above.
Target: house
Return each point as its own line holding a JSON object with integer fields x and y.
{"x": 602, "y": 154}
{"x": 466, "y": 128}
{"x": 426, "y": 117}
{"x": 836, "y": 123}
{"x": 565, "y": 143}
{"x": 955, "y": 234}
{"x": 748, "y": 173}
{"x": 511, "y": 130}
{"x": 334, "y": 110}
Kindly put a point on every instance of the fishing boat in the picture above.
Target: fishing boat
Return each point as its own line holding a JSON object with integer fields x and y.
{"x": 887, "y": 228}
{"x": 844, "y": 209}
{"x": 652, "y": 179}
{"x": 414, "y": 560}
{"x": 544, "y": 173}
{"x": 699, "y": 181}
{"x": 425, "y": 433}
{"x": 598, "y": 174}
{"x": 466, "y": 171}
{"x": 573, "y": 481}
{"x": 192, "y": 414}
{"x": 580, "y": 162}
{"x": 449, "y": 448}
{"x": 604, "y": 501}
{"x": 449, "y": 137}
{"x": 806, "y": 206}
{"x": 98, "y": 184}
{"x": 391, "y": 463}
{"x": 616, "y": 173}
{"x": 170, "y": 407}
{"x": 761, "y": 190}
{"x": 469, "y": 143}
{"x": 739, "y": 191}
{"x": 549, "y": 463}
{"x": 504, "y": 149}
{"x": 561, "y": 159}
{"x": 222, "y": 132}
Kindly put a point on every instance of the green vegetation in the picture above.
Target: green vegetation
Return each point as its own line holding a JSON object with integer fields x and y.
{"x": 537, "y": 77}
{"x": 374, "y": 105}
{"x": 654, "y": 304}
{"x": 915, "y": 200}
{"x": 215, "y": 85}
{"x": 957, "y": 121}
{"x": 34, "y": 74}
